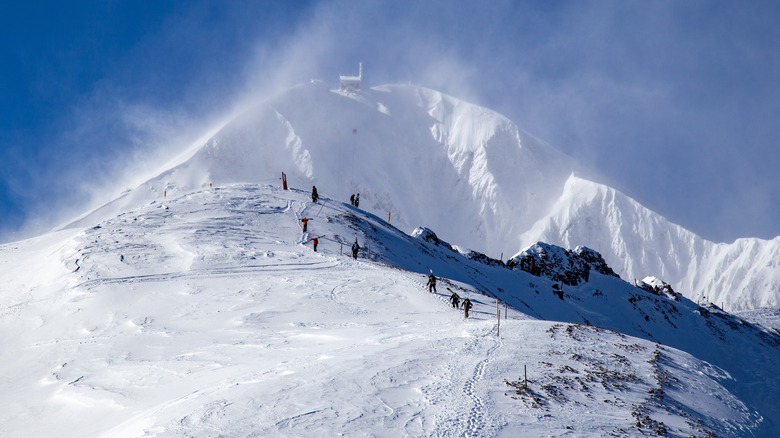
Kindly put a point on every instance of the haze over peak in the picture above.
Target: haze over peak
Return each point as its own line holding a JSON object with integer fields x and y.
{"x": 416, "y": 154}
{"x": 419, "y": 157}
{"x": 661, "y": 87}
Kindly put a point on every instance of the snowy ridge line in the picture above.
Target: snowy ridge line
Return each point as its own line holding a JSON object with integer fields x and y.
{"x": 217, "y": 272}
{"x": 314, "y": 334}
{"x": 638, "y": 242}
{"x": 418, "y": 148}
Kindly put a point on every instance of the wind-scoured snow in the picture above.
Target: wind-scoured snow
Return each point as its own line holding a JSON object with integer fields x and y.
{"x": 414, "y": 153}
{"x": 208, "y": 313}
{"x": 419, "y": 156}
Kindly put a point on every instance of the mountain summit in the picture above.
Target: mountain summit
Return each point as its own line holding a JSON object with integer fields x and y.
{"x": 418, "y": 156}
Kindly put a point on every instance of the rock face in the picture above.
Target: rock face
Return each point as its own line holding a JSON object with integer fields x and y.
{"x": 570, "y": 267}
{"x": 657, "y": 286}
{"x": 429, "y": 236}
{"x": 566, "y": 266}
{"x": 637, "y": 242}
{"x": 594, "y": 260}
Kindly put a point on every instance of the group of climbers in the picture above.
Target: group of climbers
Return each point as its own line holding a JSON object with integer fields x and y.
{"x": 355, "y": 200}
{"x": 315, "y": 197}
{"x": 454, "y": 298}
{"x": 315, "y": 240}
{"x": 466, "y": 305}
{"x": 305, "y": 225}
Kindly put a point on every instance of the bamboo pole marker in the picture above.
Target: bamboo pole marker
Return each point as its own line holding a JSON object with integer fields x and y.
{"x": 498, "y": 319}
{"x": 525, "y": 376}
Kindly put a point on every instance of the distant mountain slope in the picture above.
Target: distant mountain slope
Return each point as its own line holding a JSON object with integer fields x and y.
{"x": 638, "y": 242}
{"x": 420, "y": 157}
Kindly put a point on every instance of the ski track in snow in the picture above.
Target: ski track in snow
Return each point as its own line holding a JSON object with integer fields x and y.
{"x": 479, "y": 422}
{"x": 476, "y": 414}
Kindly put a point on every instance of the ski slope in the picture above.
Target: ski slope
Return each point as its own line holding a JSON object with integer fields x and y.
{"x": 206, "y": 312}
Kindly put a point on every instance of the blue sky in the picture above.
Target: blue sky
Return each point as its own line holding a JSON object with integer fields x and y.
{"x": 675, "y": 103}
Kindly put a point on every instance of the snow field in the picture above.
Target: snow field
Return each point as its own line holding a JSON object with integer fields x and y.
{"x": 430, "y": 159}
{"x": 210, "y": 315}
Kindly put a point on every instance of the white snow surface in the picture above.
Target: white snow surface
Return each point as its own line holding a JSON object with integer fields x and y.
{"x": 414, "y": 153}
{"x": 637, "y": 242}
{"x": 425, "y": 158}
{"x": 209, "y": 314}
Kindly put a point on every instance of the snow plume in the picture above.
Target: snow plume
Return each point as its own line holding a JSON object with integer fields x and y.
{"x": 200, "y": 65}
{"x": 106, "y": 150}
{"x": 611, "y": 84}
{"x": 498, "y": 180}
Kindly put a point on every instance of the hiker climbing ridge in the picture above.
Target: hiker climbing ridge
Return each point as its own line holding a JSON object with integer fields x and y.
{"x": 431, "y": 283}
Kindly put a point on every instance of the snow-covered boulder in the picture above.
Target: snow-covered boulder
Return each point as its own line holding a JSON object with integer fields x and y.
{"x": 429, "y": 236}
{"x": 657, "y": 286}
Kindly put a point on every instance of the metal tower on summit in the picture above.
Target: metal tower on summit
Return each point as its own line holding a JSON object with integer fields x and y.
{"x": 351, "y": 83}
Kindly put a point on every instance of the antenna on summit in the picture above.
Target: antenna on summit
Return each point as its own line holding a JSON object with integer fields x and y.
{"x": 351, "y": 84}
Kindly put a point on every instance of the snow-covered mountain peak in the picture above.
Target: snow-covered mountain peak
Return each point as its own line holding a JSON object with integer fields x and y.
{"x": 420, "y": 157}
{"x": 638, "y": 242}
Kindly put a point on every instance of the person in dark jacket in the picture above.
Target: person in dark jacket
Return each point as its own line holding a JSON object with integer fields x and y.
{"x": 314, "y": 195}
{"x": 455, "y": 300}
{"x": 431, "y": 283}
{"x": 355, "y": 249}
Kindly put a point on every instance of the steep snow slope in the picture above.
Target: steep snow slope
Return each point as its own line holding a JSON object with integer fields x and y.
{"x": 413, "y": 153}
{"x": 209, "y": 314}
{"x": 638, "y": 242}
{"x": 422, "y": 157}
{"x": 737, "y": 346}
